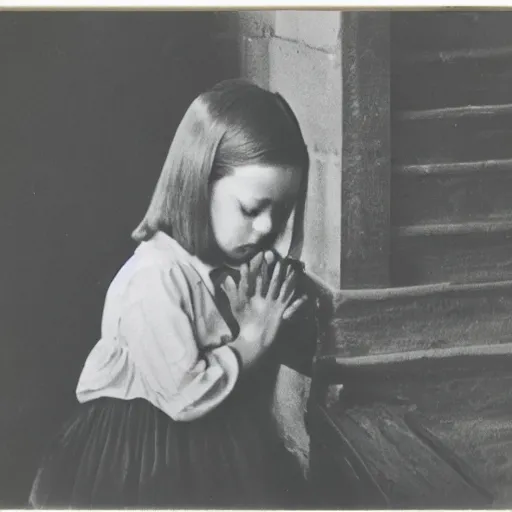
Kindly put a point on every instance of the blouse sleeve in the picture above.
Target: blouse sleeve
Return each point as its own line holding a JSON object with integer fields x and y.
{"x": 185, "y": 381}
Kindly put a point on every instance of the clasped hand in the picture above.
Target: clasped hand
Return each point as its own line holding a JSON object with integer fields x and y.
{"x": 260, "y": 302}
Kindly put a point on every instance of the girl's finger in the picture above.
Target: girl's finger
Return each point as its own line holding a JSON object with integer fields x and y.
{"x": 266, "y": 270}
{"x": 269, "y": 257}
{"x": 274, "y": 288}
{"x": 255, "y": 265}
{"x": 254, "y": 270}
{"x": 243, "y": 287}
{"x": 292, "y": 309}
{"x": 264, "y": 276}
{"x": 288, "y": 286}
{"x": 258, "y": 289}
{"x": 229, "y": 286}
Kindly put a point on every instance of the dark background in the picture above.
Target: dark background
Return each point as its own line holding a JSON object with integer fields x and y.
{"x": 89, "y": 102}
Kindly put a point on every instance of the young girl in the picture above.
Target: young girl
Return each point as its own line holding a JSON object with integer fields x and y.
{"x": 175, "y": 398}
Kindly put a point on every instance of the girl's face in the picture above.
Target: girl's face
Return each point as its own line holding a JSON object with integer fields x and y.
{"x": 250, "y": 207}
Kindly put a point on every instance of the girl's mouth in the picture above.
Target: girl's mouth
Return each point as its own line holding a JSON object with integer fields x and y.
{"x": 244, "y": 249}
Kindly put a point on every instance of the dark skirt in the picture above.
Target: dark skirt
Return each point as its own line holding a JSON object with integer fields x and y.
{"x": 117, "y": 453}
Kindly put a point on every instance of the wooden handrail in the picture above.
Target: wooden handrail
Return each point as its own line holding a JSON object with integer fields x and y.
{"x": 451, "y": 168}
{"x": 454, "y": 112}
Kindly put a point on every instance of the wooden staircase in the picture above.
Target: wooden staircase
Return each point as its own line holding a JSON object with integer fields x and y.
{"x": 423, "y": 415}
{"x": 451, "y": 132}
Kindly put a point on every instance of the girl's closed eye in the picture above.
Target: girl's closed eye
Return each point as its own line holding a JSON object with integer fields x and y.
{"x": 249, "y": 211}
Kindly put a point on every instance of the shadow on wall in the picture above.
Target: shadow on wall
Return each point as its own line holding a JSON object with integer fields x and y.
{"x": 89, "y": 104}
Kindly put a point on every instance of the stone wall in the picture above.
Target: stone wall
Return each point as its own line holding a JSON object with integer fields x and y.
{"x": 297, "y": 53}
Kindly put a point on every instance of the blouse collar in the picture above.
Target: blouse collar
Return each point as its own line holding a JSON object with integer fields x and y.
{"x": 165, "y": 243}
{"x": 162, "y": 241}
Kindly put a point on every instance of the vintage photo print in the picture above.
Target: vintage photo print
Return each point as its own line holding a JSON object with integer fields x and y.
{"x": 256, "y": 258}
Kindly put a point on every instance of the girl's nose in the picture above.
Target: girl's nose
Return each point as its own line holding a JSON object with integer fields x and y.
{"x": 263, "y": 224}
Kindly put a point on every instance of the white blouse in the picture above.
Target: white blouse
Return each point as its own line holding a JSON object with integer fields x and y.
{"x": 162, "y": 335}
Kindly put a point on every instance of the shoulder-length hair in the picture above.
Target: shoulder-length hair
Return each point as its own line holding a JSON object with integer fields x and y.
{"x": 235, "y": 123}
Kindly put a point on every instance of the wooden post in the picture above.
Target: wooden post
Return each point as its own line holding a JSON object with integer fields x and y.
{"x": 366, "y": 162}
